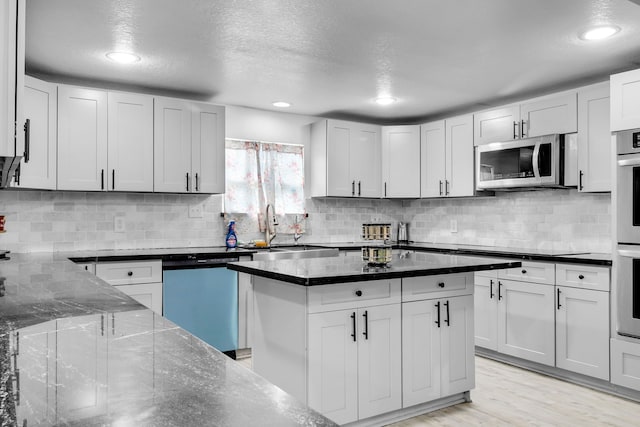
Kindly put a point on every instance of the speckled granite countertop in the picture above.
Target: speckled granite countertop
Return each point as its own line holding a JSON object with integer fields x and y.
{"x": 76, "y": 351}
{"x": 350, "y": 268}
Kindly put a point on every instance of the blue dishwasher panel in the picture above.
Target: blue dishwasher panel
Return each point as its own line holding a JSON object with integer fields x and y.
{"x": 204, "y": 301}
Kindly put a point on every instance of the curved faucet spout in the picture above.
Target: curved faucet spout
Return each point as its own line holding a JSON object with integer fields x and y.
{"x": 271, "y": 221}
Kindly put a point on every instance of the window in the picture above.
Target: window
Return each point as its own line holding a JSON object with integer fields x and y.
{"x": 259, "y": 173}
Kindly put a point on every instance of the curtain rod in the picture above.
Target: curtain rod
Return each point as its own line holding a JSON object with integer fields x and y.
{"x": 264, "y": 142}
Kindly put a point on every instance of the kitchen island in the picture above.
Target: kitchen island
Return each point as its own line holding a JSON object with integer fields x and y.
{"x": 75, "y": 350}
{"x": 368, "y": 345}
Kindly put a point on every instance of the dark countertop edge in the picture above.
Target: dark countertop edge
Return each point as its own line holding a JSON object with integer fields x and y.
{"x": 378, "y": 275}
{"x": 222, "y": 252}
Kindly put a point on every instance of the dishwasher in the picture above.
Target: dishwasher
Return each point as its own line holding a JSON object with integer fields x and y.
{"x": 201, "y": 296}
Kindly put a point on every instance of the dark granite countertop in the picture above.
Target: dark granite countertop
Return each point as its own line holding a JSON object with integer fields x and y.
{"x": 76, "y": 351}
{"x": 350, "y": 267}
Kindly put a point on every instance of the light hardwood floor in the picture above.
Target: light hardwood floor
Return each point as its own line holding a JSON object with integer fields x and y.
{"x": 509, "y": 396}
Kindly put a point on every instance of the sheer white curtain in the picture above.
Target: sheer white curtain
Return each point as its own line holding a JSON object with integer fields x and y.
{"x": 259, "y": 173}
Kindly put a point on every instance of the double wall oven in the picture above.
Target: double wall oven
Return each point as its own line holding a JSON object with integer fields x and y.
{"x": 628, "y": 232}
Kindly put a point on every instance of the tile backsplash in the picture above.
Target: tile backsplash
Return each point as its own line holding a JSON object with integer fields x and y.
{"x": 74, "y": 221}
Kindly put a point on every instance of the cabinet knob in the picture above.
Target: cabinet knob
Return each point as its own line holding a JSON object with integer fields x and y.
{"x": 359, "y": 293}
{"x": 524, "y": 271}
{"x": 581, "y": 277}
{"x": 441, "y": 284}
{"x": 130, "y": 273}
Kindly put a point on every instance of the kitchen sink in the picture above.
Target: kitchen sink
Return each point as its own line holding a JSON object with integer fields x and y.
{"x": 295, "y": 252}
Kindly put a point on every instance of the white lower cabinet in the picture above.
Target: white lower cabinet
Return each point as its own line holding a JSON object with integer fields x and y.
{"x": 437, "y": 348}
{"x": 141, "y": 280}
{"x": 526, "y": 321}
{"x": 625, "y": 363}
{"x": 566, "y": 325}
{"x": 582, "y": 331}
{"x": 354, "y": 362}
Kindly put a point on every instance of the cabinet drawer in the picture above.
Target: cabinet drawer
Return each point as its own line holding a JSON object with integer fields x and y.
{"x": 583, "y": 276}
{"x": 130, "y": 272}
{"x": 536, "y": 272}
{"x": 353, "y": 295}
{"x": 493, "y": 274}
{"x": 625, "y": 364}
{"x": 438, "y": 286}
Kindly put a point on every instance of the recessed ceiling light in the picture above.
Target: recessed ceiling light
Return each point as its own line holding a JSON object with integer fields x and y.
{"x": 281, "y": 104}
{"x": 123, "y": 57}
{"x": 599, "y": 33}
{"x": 385, "y": 100}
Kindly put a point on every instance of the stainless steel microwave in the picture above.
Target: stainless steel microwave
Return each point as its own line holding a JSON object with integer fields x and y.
{"x": 531, "y": 162}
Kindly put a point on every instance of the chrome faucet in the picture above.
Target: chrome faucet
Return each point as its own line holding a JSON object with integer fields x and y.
{"x": 271, "y": 221}
{"x": 297, "y": 234}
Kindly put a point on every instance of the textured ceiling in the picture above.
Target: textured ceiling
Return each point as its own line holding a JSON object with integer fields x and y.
{"x": 333, "y": 57}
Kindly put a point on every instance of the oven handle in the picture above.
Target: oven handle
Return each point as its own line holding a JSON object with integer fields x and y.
{"x": 629, "y": 251}
{"x": 536, "y": 160}
{"x": 629, "y": 160}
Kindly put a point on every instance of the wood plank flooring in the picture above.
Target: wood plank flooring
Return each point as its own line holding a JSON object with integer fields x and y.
{"x": 509, "y": 396}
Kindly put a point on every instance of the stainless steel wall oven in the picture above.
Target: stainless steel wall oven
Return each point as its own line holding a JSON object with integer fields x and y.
{"x": 627, "y": 259}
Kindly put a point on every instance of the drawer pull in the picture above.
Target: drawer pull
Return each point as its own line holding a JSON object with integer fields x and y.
{"x": 358, "y": 293}
{"x": 581, "y": 277}
{"x": 524, "y": 271}
{"x": 130, "y": 273}
{"x": 441, "y": 284}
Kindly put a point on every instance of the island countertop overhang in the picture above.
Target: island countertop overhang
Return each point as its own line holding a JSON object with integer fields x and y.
{"x": 350, "y": 267}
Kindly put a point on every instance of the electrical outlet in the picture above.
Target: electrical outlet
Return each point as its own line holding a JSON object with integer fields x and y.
{"x": 376, "y": 219}
{"x": 453, "y": 226}
{"x": 195, "y": 211}
{"x": 118, "y": 224}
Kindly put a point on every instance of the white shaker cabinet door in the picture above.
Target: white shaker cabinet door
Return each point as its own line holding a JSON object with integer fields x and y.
{"x": 459, "y": 156}
{"x": 432, "y": 159}
{"x": 339, "y": 140}
{"x": 526, "y": 323}
{"x": 401, "y": 161}
{"x": 40, "y": 108}
{"x": 582, "y": 331}
{"x": 457, "y": 357}
{"x": 207, "y": 157}
{"x": 82, "y": 139}
{"x": 498, "y": 125}
{"x": 625, "y": 100}
{"x": 379, "y": 360}
{"x": 594, "y": 138}
{"x": 485, "y": 312}
{"x": 172, "y": 146}
{"x": 333, "y": 365}
{"x": 420, "y": 353}
{"x": 550, "y": 114}
{"x": 130, "y": 142}
{"x": 364, "y": 159}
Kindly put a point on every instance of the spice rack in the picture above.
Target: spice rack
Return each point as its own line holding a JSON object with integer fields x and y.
{"x": 377, "y": 254}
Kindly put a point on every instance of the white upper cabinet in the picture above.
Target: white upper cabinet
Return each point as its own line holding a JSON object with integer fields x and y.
{"x": 82, "y": 139}
{"x": 446, "y": 168}
{"x": 557, "y": 113}
{"x": 625, "y": 100}
{"x": 207, "y": 157}
{"x": 501, "y": 124}
{"x": 130, "y": 142}
{"x": 401, "y": 161}
{"x": 12, "y": 34}
{"x": 38, "y": 168}
{"x": 594, "y": 138}
{"x": 188, "y": 147}
{"x": 546, "y": 115}
{"x": 432, "y": 154}
{"x": 345, "y": 159}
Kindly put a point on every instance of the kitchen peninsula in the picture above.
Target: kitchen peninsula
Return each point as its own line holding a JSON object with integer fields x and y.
{"x": 364, "y": 344}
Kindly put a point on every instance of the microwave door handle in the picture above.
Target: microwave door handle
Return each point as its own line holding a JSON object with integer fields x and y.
{"x": 629, "y": 160}
{"x": 536, "y": 160}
